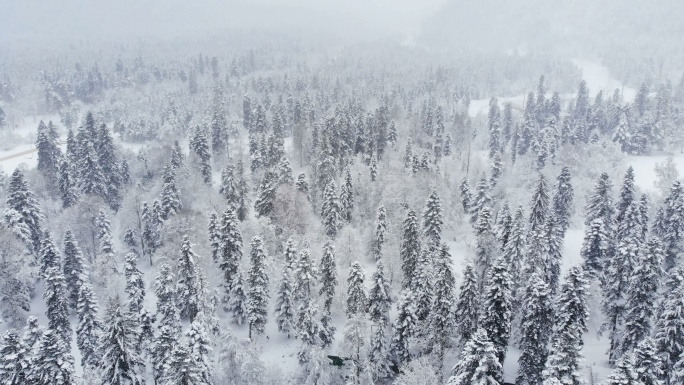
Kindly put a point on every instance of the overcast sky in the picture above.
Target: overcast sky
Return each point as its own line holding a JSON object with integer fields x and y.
{"x": 122, "y": 19}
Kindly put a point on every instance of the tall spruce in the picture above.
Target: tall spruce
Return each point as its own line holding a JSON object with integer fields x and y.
{"x": 410, "y": 249}
{"x": 22, "y": 212}
{"x": 496, "y": 314}
{"x": 257, "y": 282}
{"x": 187, "y": 286}
{"x": 433, "y": 220}
{"x": 121, "y": 362}
{"x": 535, "y": 328}
{"x": 563, "y": 198}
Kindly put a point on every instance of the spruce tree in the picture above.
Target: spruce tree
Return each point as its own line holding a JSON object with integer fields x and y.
{"x": 22, "y": 212}
{"x": 284, "y": 308}
{"x": 229, "y": 185}
{"x": 642, "y": 294}
{"x": 495, "y": 317}
{"x": 48, "y": 150}
{"x": 441, "y": 322}
{"x": 237, "y": 304}
{"x": 170, "y": 195}
{"x": 467, "y": 305}
{"x": 164, "y": 289}
{"x": 214, "y": 236}
{"x": 482, "y": 199}
{"x": 404, "y": 328}
{"x": 535, "y": 328}
{"x": 669, "y": 328}
{"x": 121, "y": 362}
{"x": 328, "y": 272}
{"x": 199, "y": 349}
{"x": 595, "y": 250}
{"x": 67, "y": 184}
{"x": 104, "y": 146}
{"x": 52, "y": 362}
{"x": 187, "y": 286}
{"x": 540, "y": 206}
{"x": 56, "y": 301}
{"x": 331, "y": 212}
{"x": 263, "y": 205}
{"x": 624, "y": 373}
{"x": 357, "y": 299}
{"x": 73, "y": 267}
{"x": 673, "y": 224}
{"x": 600, "y": 204}
{"x": 257, "y": 294}
{"x": 422, "y": 284}
{"x": 378, "y": 307}
{"x": 410, "y": 249}
{"x": 563, "y": 200}
{"x": 627, "y": 196}
{"x": 230, "y": 251}
{"x": 200, "y": 147}
{"x": 647, "y": 363}
{"x": 135, "y": 285}
{"x": 89, "y": 325}
{"x": 91, "y": 177}
{"x": 478, "y": 363}
{"x": 515, "y": 249}
{"x": 433, "y": 220}
{"x": 466, "y": 195}
{"x": 380, "y": 232}
{"x": 14, "y": 359}
{"x": 565, "y": 355}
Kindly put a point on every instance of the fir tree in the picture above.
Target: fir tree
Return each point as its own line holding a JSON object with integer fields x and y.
{"x": 330, "y": 210}
{"x": 230, "y": 251}
{"x": 121, "y": 362}
{"x": 496, "y": 312}
{"x": 514, "y": 250}
{"x": 200, "y": 147}
{"x": 482, "y": 199}
{"x": 404, "y": 327}
{"x": 600, "y": 204}
{"x": 187, "y": 286}
{"x": 441, "y": 321}
{"x": 328, "y": 271}
{"x": 73, "y": 267}
{"x": 56, "y": 301}
{"x": 160, "y": 354}
{"x": 565, "y": 355}
{"x": 466, "y": 195}
{"x": 91, "y": 177}
{"x": 467, "y": 305}
{"x": 302, "y": 184}
{"x": 125, "y": 172}
{"x": 673, "y": 224}
{"x": 478, "y": 363}
{"x": 380, "y": 232}
{"x": 170, "y": 195}
{"x": 135, "y": 285}
{"x": 199, "y": 348}
{"x": 647, "y": 363}
{"x": 535, "y": 329}
{"x": 433, "y": 219}
{"x": 257, "y": 295}
{"x": 285, "y": 318}
{"x": 563, "y": 199}
{"x": 14, "y": 359}
{"x": 48, "y": 149}
{"x": 627, "y": 196}
{"x": 540, "y": 207}
{"x": 52, "y": 362}
{"x": 422, "y": 284}
{"x": 166, "y": 295}
{"x": 104, "y": 146}
{"x": 669, "y": 328}
{"x": 237, "y": 303}
{"x": 263, "y": 205}
{"x": 229, "y": 185}
{"x": 623, "y": 374}
{"x": 410, "y": 249}
{"x": 378, "y": 307}
{"x": 214, "y": 236}
{"x": 595, "y": 250}
{"x": 642, "y": 293}
{"x": 22, "y": 212}
{"x": 357, "y": 299}
{"x": 67, "y": 184}
{"x": 32, "y": 334}
{"x": 89, "y": 326}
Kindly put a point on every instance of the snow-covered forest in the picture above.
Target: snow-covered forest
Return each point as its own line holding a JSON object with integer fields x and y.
{"x": 268, "y": 206}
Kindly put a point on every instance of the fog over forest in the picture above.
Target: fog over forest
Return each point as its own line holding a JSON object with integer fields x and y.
{"x": 386, "y": 192}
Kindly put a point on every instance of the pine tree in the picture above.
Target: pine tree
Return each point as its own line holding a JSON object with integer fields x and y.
{"x": 230, "y": 251}
{"x": 328, "y": 272}
{"x": 565, "y": 355}
{"x": 410, "y": 249}
{"x": 433, "y": 219}
{"x": 257, "y": 295}
{"x": 14, "y": 359}
{"x": 563, "y": 199}
{"x": 170, "y": 195}
{"x": 52, "y": 362}
{"x": 22, "y": 212}
{"x": 330, "y": 210}
{"x": 495, "y": 317}
{"x": 187, "y": 286}
{"x": 89, "y": 325}
{"x": 642, "y": 294}
{"x": 121, "y": 362}
{"x": 67, "y": 184}
{"x": 467, "y": 305}
{"x": 285, "y": 318}
{"x": 404, "y": 327}
{"x": 357, "y": 299}
{"x": 535, "y": 328}
{"x": 380, "y": 232}
{"x": 478, "y": 363}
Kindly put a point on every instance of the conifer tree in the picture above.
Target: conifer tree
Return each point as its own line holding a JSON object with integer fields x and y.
{"x": 565, "y": 355}
{"x": 328, "y": 271}
{"x": 495, "y": 317}
{"x": 380, "y": 232}
{"x": 187, "y": 286}
{"x": 121, "y": 362}
{"x": 170, "y": 195}
{"x": 165, "y": 291}
{"x": 673, "y": 224}
{"x": 14, "y": 359}
{"x": 229, "y": 185}
{"x": 478, "y": 363}
{"x": 125, "y": 172}
{"x": 540, "y": 206}
{"x": 378, "y": 307}
{"x": 48, "y": 150}
{"x": 257, "y": 295}
{"x": 56, "y": 301}
{"x": 330, "y": 210}
{"x": 230, "y": 252}
{"x": 422, "y": 284}
{"x": 563, "y": 200}
{"x": 595, "y": 249}
{"x": 404, "y": 327}
{"x": 669, "y": 328}
{"x": 167, "y": 338}
{"x": 52, "y": 362}
{"x": 486, "y": 247}
{"x": 91, "y": 177}
{"x": 467, "y": 305}
{"x": 482, "y": 199}
{"x": 647, "y": 363}
{"x": 357, "y": 299}
{"x": 73, "y": 267}
{"x": 624, "y": 373}
{"x": 433, "y": 219}
{"x": 410, "y": 249}
{"x": 22, "y": 212}
{"x": 600, "y": 204}
{"x": 199, "y": 349}
{"x": 627, "y": 196}
{"x": 67, "y": 184}
{"x": 135, "y": 285}
{"x": 514, "y": 250}
{"x": 642, "y": 294}
{"x": 504, "y": 225}
{"x": 302, "y": 184}
{"x": 441, "y": 321}
{"x": 214, "y": 236}
{"x": 89, "y": 325}
{"x": 535, "y": 328}
{"x": 285, "y": 172}
{"x": 200, "y": 147}
{"x": 237, "y": 304}
{"x": 106, "y": 157}
{"x": 263, "y": 205}
{"x": 555, "y": 246}
{"x": 32, "y": 334}
{"x": 466, "y": 195}
{"x": 285, "y": 317}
